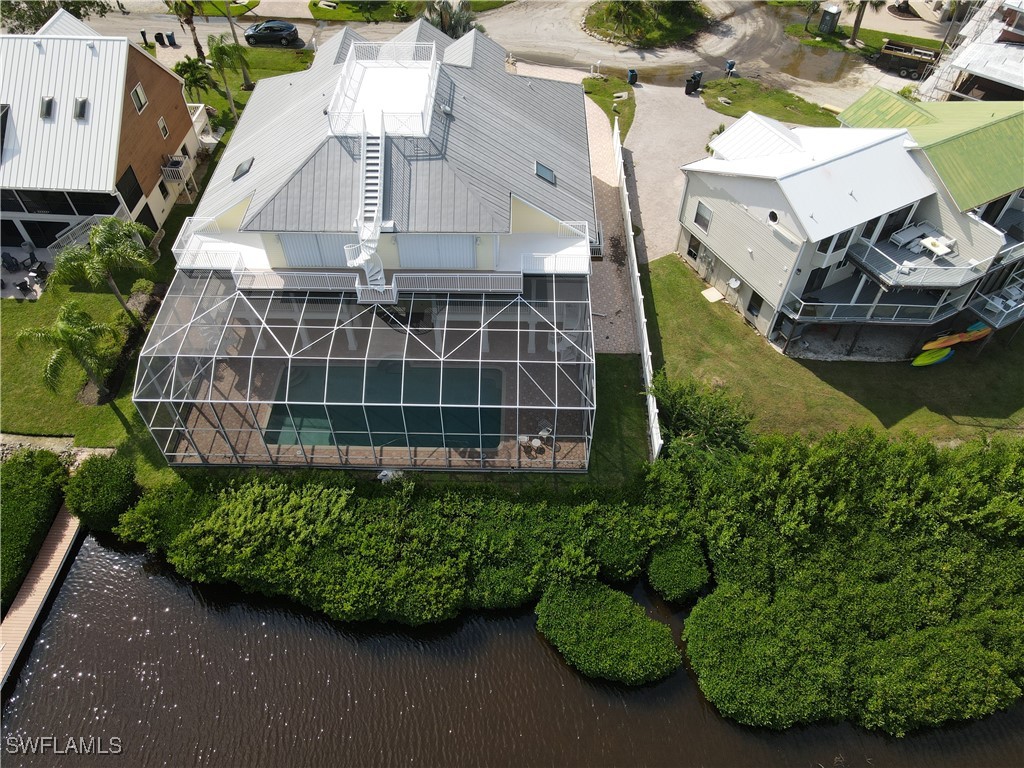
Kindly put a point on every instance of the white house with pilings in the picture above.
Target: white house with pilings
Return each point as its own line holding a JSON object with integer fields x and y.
{"x": 863, "y": 226}
{"x": 389, "y": 268}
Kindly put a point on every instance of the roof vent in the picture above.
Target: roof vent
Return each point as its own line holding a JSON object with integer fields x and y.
{"x": 81, "y": 105}
{"x": 46, "y": 107}
{"x": 242, "y": 169}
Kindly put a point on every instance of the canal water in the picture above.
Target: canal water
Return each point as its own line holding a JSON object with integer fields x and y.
{"x": 206, "y": 676}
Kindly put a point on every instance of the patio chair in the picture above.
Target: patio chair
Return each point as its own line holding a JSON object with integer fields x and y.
{"x": 10, "y": 263}
{"x": 24, "y": 287}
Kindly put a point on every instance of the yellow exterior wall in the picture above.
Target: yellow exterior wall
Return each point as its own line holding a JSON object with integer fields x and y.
{"x": 526, "y": 218}
{"x": 231, "y": 219}
{"x": 387, "y": 250}
{"x": 275, "y": 252}
{"x": 485, "y": 252}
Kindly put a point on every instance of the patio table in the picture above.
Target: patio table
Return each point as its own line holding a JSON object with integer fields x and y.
{"x": 937, "y": 248}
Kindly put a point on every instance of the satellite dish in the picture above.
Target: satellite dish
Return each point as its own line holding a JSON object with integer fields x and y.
{"x": 734, "y": 283}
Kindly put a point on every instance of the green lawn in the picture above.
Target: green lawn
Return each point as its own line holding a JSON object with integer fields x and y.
{"x": 602, "y": 92}
{"x": 750, "y": 96}
{"x": 870, "y": 41}
{"x": 965, "y": 397}
{"x": 216, "y": 7}
{"x": 620, "y": 431}
{"x": 349, "y": 12}
{"x": 670, "y": 24}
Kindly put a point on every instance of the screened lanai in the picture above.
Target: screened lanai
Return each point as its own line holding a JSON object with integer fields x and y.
{"x": 436, "y": 381}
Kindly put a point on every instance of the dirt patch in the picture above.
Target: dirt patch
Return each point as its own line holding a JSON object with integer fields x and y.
{"x": 62, "y": 446}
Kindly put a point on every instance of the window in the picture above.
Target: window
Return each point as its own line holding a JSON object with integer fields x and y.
{"x": 5, "y": 110}
{"x": 895, "y": 221}
{"x": 139, "y": 98}
{"x": 88, "y": 203}
{"x": 545, "y": 173}
{"x": 703, "y": 217}
{"x": 128, "y": 186}
{"x": 163, "y": 127}
{"x": 184, "y": 150}
{"x": 835, "y": 243}
{"x": 754, "y": 307}
{"x": 81, "y": 107}
{"x": 163, "y": 189}
{"x": 45, "y": 201}
{"x": 242, "y": 169}
{"x": 10, "y": 202}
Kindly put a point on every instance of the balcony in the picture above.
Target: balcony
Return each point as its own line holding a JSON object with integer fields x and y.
{"x": 835, "y": 304}
{"x": 918, "y": 257}
{"x": 1011, "y": 224}
{"x": 1001, "y": 307}
{"x": 247, "y": 279}
{"x": 177, "y": 169}
{"x": 564, "y": 253}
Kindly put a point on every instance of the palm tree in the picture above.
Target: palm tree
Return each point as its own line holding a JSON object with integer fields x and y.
{"x": 113, "y": 244}
{"x": 186, "y": 11}
{"x": 73, "y": 336}
{"x": 225, "y": 56}
{"x": 626, "y": 14}
{"x": 812, "y": 7}
{"x": 861, "y": 6}
{"x": 454, "y": 19}
{"x": 196, "y": 75}
{"x": 247, "y": 83}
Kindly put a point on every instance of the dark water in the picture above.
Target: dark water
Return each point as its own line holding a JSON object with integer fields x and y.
{"x": 203, "y": 677}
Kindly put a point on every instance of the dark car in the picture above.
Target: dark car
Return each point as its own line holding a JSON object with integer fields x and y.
{"x": 272, "y": 31}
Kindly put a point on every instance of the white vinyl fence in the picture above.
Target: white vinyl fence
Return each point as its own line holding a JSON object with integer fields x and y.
{"x": 653, "y": 427}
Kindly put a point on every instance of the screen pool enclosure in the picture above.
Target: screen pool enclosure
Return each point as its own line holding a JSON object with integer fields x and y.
{"x": 436, "y": 381}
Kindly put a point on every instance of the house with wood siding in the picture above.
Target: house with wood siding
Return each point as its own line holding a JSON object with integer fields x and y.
{"x": 92, "y": 126}
{"x": 389, "y": 268}
{"x": 910, "y": 216}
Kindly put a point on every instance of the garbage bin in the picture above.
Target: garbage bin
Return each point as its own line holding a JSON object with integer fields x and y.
{"x": 159, "y": 37}
{"x": 170, "y": 39}
{"x": 631, "y": 77}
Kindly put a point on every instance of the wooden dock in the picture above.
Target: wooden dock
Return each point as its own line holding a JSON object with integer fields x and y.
{"x": 28, "y": 605}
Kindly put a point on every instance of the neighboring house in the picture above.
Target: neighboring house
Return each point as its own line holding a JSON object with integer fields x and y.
{"x": 987, "y": 60}
{"x": 389, "y": 268}
{"x": 907, "y": 221}
{"x": 91, "y": 126}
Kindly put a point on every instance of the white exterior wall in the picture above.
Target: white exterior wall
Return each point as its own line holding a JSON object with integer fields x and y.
{"x": 735, "y": 228}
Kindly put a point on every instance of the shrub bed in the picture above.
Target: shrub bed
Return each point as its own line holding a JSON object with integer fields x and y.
{"x": 101, "y": 489}
{"x": 603, "y": 633}
{"x": 31, "y": 491}
{"x": 677, "y": 570}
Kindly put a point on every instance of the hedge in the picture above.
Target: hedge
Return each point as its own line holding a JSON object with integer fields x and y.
{"x": 31, "y": 491}
{"x": 101, "y": 489}
{"x": 677, "y": 570}
{"x": 603, "y": 633}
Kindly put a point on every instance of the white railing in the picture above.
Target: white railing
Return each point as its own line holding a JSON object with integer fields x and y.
{"x": 347, "y": 123}
{"x": 913, "y": 272}
{"x": 211, "y": 260}
{"x": 812, "y": 311}
{"x": 449, "y": 282}
{"x": 404, "y": 123}
{"x": 653, "y": 426}
{"x": 80, "y": 232}
{"x": 376, "y": 294}
{"x": 576, "y": 230}
{"x": 178, "y": 168}
{"x": 996, "y": 311}
{"x": 393, "y": 54}
{"x": 556, "y": 263}
{"x": 270, "y": 279}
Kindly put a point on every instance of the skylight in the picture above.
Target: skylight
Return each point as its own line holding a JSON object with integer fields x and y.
{"x": 242, "y": 169}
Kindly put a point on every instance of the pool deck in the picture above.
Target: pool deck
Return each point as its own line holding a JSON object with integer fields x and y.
{"x": 32, "y": 596}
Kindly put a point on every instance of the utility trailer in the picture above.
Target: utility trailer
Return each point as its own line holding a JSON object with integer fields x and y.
{"x": 908, "y": 60}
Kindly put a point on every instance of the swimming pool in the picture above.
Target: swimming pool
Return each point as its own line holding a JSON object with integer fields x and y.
{"x": 388, "y": 402}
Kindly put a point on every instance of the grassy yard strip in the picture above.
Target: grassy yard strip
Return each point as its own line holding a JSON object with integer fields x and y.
{"x": 352, "y": 11}
{"x": 216, "y": 7}
{"x": 869, "y": 41}
{"x": 752, "y": 96}
{"x": 668, "y": 24}
{"x": 602, "y": 92}
{"x": 971, "y": 396}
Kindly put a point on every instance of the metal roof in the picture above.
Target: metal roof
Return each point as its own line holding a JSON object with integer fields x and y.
{"x": 976, "y": 147}
{"x": 837, "y": 179}
{"x": 460, "y": 178}
{"x": 61, "y": 152}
